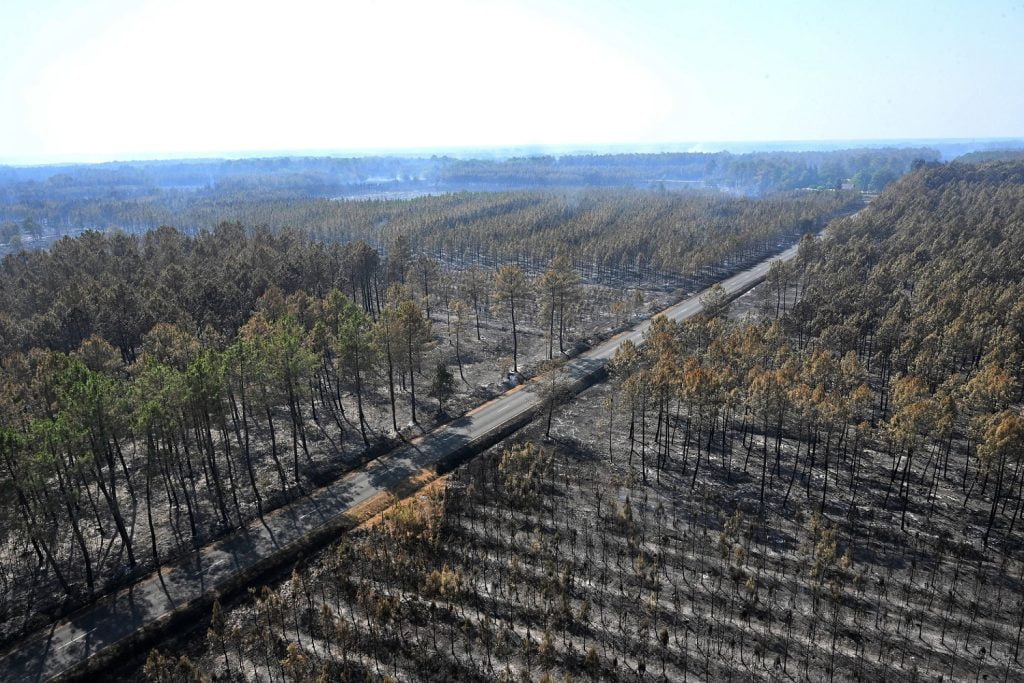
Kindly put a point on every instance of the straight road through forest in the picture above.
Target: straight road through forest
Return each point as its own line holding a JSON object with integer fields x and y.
{"x": 140, "y": 612}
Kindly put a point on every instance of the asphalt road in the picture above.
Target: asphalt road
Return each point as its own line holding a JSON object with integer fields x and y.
{"x": 63, "y": 649}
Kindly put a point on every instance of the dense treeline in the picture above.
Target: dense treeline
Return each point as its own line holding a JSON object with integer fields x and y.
{"x": 763, "y": 171}
{"x": 119, "y": 285}
{"x": 158, "y": 390}
{"x": 70, "y": 181}
{"x": 43, "y": 202}
{"x": 830, "y": 490}
{"x": 610, "y": 234}
{"x": 987, "y": 156}
{"x": 868, "y": 169}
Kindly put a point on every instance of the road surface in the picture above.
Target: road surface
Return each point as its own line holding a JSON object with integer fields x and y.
{"x": 84, "y": 641}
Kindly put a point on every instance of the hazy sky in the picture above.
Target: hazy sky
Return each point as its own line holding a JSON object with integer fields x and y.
{"x": 103, "y": 79}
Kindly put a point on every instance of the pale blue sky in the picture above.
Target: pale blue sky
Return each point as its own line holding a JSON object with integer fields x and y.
{"x": 104, "y": 79}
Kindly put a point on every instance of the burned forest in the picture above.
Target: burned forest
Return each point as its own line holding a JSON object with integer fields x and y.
{"x": 820, "y": 480}
{"x": 816, "y": 475}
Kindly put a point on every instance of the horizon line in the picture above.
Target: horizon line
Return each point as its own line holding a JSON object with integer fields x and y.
{"x": 717, "y": 146}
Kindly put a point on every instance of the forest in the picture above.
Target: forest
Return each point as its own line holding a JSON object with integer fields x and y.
{"x": 819, "y": 481}
{"x": 511, "y": 342}
{"x": 987, "y": 156}
{"x": 39, "y": 204}
{"x": 160, "y": 390}
{"x": 119, "y": 285}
